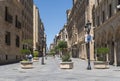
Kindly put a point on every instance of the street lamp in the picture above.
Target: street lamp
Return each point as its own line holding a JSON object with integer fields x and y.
{"x": 87, "y": 28}
{"x": 42, "y": 60}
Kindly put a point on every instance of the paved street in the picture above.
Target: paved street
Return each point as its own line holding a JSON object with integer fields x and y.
{"x": 51, "y": 72}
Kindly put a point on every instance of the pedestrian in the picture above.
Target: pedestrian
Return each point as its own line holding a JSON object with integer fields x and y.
{"x": 30, "y": 57}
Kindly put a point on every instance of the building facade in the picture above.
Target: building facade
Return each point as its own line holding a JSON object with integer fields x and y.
{"x": 63, "y": 35}
{"x": 106, "y": 20}
{"x": 10, "y": 31}
{"x": 35, "y": 27}
{"x": 27, "y": 24}
{"x": 38, "y": 29}
{"x": 42, "y": 39}
{"x": 16, "y": 25}
{"x": 77, "y": 18}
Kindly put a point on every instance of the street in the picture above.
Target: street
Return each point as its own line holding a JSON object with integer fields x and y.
{"x": 51, "y": 72}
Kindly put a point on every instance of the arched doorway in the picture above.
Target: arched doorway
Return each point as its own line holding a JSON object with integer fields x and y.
{"x": 111, "y": 53}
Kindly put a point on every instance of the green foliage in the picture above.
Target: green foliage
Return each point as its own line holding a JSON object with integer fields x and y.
{"x": 52, "y": 52}
{"x": 56, "y": 48}
{"x": 101, "y": 58}
{"x": 27, "y": 41}
{"x": 35, "y": 53}
{"x": 102, "y": 50}
{"x": 62, "y": 45}
{"x": 25, "y": 51}
{"x": 66, "y": 58}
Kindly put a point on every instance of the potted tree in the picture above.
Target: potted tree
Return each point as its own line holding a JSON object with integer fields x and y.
{"x": 52, "y": 52}
{"x": 66, "y": 61}
{"x": 101, "y": 62}
{"x": 36, "y": 56}
{"x": 25, "y": 63}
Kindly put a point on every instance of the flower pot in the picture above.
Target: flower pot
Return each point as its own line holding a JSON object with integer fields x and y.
{"x": 36, "y": 59}
{"x": 101, "y": 65}
{"x": 66, "y": 65}
{"x": 26, "y": 65}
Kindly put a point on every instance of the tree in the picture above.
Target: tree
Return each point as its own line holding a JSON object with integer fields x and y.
{"x": 101, "y": 52}
{"x": 52, "y": 52}
{"x": 25, "y": 51}
{"x": 62, "y": 45}
{"x": 35, "y": 53}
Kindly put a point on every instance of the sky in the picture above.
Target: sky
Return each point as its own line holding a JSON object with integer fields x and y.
{"x": 53, "y": 16}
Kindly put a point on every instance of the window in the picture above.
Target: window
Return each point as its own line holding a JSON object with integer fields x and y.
{"x": 17, "y": 23}
{"x": 6, "y": 56}
{"x": 98, "y": 22}
{"x": 118, "y": 2}
{"x": 110, "y": 10}
{"x": 6, "y": 11}
{"x": 16, "y": 20}
{"x": 66, "y": 36}
{"x": 17, "y": 41}
{"x": 24, "y": 46}
{"x": 103, "y": 16}
{"x": 7, "y": 38}
{"x": 8, "y": 16}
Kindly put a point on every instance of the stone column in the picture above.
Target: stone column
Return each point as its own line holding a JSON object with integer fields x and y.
{"x": 82, "y": 51}
{"x": 115, "y": 56}
{"x": 92, "y": 50}
{"x": 85, "y": 52}
{"x": 107, "y": 56}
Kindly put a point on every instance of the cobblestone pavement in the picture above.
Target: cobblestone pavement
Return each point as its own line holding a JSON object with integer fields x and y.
{"x": 51, "y": 72}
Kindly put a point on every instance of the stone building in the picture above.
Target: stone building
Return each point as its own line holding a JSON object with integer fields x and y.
{"x": 38, "y": 30}
{"x": 42, "y": 39}
{"x": 27, "y": 23}
{"x": 35, "y": 27}
{"x": 107, "y": 31}
{"x": 16, "y": 25}
{"x": 10, "y": 31}
{"x": 63, "y": 34}
{"x": 72, "y": 33}
{"x": 77, "y": 18}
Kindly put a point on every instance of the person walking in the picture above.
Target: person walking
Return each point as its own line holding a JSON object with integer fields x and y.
{"x": 30, "y": 57}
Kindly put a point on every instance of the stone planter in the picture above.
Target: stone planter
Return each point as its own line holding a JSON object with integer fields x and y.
{"x": 26, "y": 65}
{"x": 66, "y": 65}
{"x": 101, "y": 65}
{"x": 35, "y": 59}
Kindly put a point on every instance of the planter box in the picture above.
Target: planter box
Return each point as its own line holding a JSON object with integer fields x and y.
{"x": 101, "y": 65}
{"x": 36, "y": 59}
{"x": 66, "y": 65}
{"x": 26, "y": 65}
